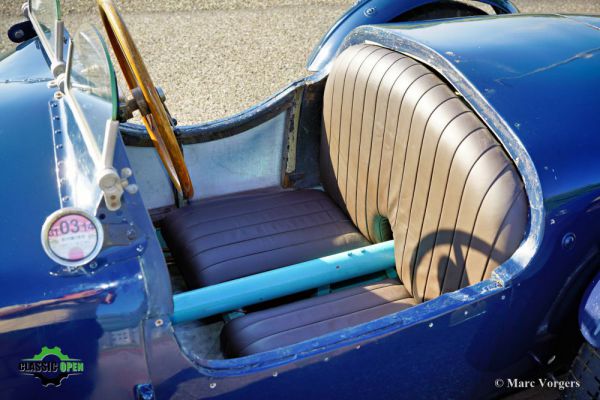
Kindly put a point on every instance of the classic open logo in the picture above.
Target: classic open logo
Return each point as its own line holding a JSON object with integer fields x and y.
{"x": 51, "y": 366}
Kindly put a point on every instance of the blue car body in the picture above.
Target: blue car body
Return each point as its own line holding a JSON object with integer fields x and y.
{"x": 533, "y": 79}
{"x": 369, "y": 12}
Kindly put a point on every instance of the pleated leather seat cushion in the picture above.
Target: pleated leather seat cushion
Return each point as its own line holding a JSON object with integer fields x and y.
{"x": 236, "y": 236}
{"x": 409, "y": 161}
{"x": 292, "y": 323}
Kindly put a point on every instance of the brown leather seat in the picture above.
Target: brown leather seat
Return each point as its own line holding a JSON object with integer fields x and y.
{"x": 235, "y": 236}
{"x": 312, "y": 317}
{"x": 408, "y": 160}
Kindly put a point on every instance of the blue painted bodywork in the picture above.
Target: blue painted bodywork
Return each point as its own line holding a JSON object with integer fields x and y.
{"x": 369, "y": 12}
{"x": 533, "y": 79}
{"x": 97, "y": 315}
{"x": 589, "y": 313}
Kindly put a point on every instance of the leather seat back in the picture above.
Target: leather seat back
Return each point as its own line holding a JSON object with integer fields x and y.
{"x": 408, "y": 159}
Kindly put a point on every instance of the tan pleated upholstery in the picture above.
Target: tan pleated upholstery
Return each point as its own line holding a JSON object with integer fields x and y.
{"x": 408, "y": 159}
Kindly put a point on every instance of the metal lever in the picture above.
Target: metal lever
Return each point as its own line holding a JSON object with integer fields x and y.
{"x": 110, "y": 182}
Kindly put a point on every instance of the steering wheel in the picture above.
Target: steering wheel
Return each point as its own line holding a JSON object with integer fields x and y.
{"x": 154, "y": 116}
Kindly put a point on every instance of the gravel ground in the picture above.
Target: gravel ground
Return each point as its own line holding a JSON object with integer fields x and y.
{"x": 215, "y": 58}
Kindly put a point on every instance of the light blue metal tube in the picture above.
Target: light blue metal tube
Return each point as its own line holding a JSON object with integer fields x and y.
{"x": 242, "y": 292}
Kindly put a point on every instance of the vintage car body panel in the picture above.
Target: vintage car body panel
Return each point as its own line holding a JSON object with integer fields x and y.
{"x": 541, "y": 103}
{"x": 96, "y": 316}
{"x": 589, "y": 313}
{"x": 369, "y": 12}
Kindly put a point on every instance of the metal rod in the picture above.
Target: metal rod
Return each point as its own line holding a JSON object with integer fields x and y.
{"x": 242, "y": 292}
{"x": 59, "y": 40}
{"x": 110, "y": 139}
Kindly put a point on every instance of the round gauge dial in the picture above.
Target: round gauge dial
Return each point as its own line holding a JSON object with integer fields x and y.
{"x": 72, "y": 237}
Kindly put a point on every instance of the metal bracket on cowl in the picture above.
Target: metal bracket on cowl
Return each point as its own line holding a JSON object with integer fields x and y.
{"x": 111, "y": 183}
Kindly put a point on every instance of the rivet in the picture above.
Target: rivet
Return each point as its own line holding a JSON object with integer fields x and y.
{"x": 139, "y": 248}
{"x": 369, "y": 12}
{"x": 358, "y": 347}
{"x": 93, "y": 265}
{"x": 503, "y": 297}
{"x": 58, "y": 95}
{"x": 212, "y": 385}
{"x": 568, "y": 241}
{"x": 66, "y": 198}
{"x": 466, "y": 313}
{"x": 59, "y": 146}
{"x": 159, "y": 322}
{"x": 131, "y": 234}
{"x": 57, "y": 132}
{"x": 431, "y": 324}
{"x": 275, "y": 374}
{"x": 326, "y": 359}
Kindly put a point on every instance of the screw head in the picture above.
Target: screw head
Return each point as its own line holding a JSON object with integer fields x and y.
{"x": 568, "y": 241}
{"x": 145, "y": 391}
{"x": 131, "y": 189}
{"x": 369, "y": 12}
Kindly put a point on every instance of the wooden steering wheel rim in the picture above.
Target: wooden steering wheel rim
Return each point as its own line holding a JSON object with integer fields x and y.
{"x": 157, "y": 121}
